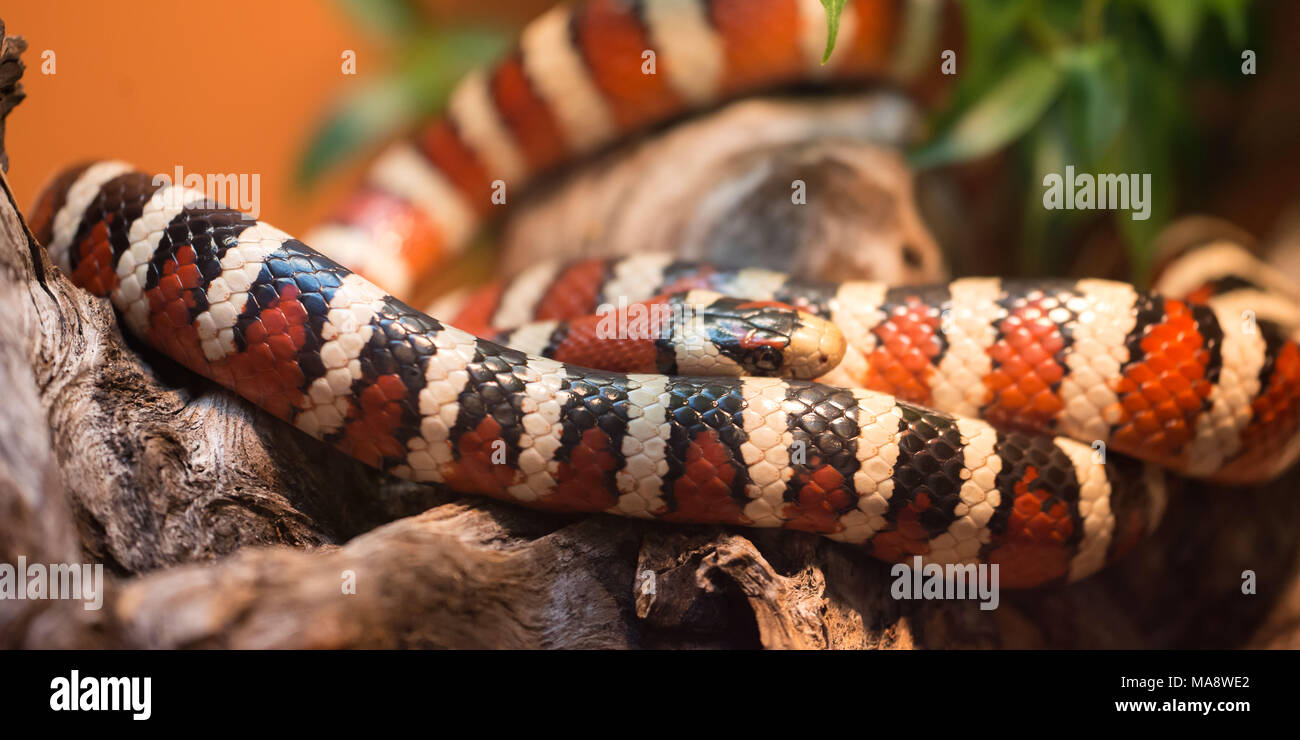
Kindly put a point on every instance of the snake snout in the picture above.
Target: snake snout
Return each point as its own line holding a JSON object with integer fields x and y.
{"x": 816, "y": 347}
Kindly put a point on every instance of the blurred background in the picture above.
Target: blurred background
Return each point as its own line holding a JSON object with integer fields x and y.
{"x": 240, "y": 86}
{"x": 247, "y": 86}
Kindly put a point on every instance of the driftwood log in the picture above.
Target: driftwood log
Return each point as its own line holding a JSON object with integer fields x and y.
{"x": 721, "y": 188}
{"x": 11, "y": 88}
{"x": 222, "y": 527}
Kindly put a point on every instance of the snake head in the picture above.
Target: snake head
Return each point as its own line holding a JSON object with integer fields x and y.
{"x": 764, "y": 338}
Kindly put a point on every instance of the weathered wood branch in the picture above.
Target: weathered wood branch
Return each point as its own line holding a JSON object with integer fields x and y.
{"x": 815, "y": 187}
{"x": 11, "y": 88}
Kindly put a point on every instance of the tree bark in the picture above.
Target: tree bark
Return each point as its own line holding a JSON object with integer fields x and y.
{"x": 11, "y": 88}
{"x": 816, "y": 188}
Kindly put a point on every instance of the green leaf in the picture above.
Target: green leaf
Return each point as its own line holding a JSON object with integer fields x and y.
{"x": 1233, "y": 14}
{"x": 833, "y": 10}
{"x": 428, "y": 68}
{"x": 1149, "y": 148}
{"x": 1006, "y": 112}
{"x": 366, "y": 115}
{"x": 988, "y": 25}
{"x": 1096, "y": 99}
{"x": 1141, "y": 235}
{"x": 394, "y": 18}
{"x": 434, "y": 62}
{"x": 1048, "y": 152}
{"x": 1178, "y": 21}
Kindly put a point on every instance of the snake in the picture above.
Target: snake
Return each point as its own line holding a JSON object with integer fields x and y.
{"x": 1035, "y": 425}
{"x": 1198, "y": 376}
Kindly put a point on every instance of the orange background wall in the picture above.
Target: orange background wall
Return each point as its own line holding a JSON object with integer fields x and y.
{"x": 235, "y": 86}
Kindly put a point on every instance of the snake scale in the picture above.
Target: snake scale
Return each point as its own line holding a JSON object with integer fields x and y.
{"x": 962, "y": 424}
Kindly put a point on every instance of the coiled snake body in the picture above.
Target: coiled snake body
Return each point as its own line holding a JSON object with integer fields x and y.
{"x": 1182, "y": 381}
